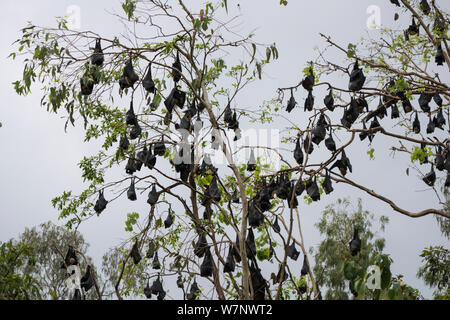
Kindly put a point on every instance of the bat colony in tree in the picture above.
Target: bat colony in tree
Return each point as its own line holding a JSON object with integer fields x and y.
{"x": 244, "y": 202}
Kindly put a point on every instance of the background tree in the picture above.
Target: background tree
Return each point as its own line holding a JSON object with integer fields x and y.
{"x": 436, "y": 270}
{"x": 49, "y": 244}
{"x": 14, "y": 284}
{"x": 336, "y": 225}
{"x": 246, "y": 211}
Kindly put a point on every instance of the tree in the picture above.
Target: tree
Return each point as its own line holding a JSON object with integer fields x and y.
{"x": 49, "y": 244}
{"x": 182, "y": 65}
{"x": 15, "y": 285}
{"x": 337, "y": 225}
{"x": 436, "y": 270}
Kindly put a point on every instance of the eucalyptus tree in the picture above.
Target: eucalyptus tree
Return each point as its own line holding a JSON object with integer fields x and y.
{"x": 173, "y": 67}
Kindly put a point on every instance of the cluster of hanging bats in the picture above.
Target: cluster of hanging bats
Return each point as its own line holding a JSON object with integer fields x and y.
{"x": 280, "y": 185}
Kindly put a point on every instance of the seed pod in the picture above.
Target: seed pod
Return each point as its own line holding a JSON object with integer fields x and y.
{"x": 155, "y": 264}
{"x": 153, "y": 196}
{"x": 308, "y": 146}
{"x": 430, "y": 177}
{"x": 416, "y": 125}
{"x": 292, "y": 252}
{"x": 329, "y": 100}
{"x": 230, "y": 264}
{"x": 305, "y": 268}
{"x": 291, "y": 103}
{"x": 309, "y": 102}
{"x": 276, "y": 226}
{"x": 355, "y": 243}
{"x": 147, "y": 82}
{"x": 447, "y": 181}
{"x": 176, "y": 69}
{"x": 312, "y": 189}
{"x": 201, "y": 245}
{"x": 251, "y": 164}
{"x": 101, "y": 203}
{"x": 124, "y": 144}
{"x": 131, "y": 193}
{"x": 206, "y": 268}
{"x": 98, "y": 57}
{"x": 327, "y": 185}
{"x": 135, "y": 253}
{"x": 357, "y": 78}
{"x": 298, "y": 153}
{"x": 394, "y": 111}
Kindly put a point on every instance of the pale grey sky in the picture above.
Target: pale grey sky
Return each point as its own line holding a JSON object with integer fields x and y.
{"x": 39, "y": 161}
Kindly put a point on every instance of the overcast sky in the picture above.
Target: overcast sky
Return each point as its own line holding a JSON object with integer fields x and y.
{"x": 39, "y": 160}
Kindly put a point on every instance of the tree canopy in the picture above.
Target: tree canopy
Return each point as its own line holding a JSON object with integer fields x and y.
{"x": 164, "y": 104}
